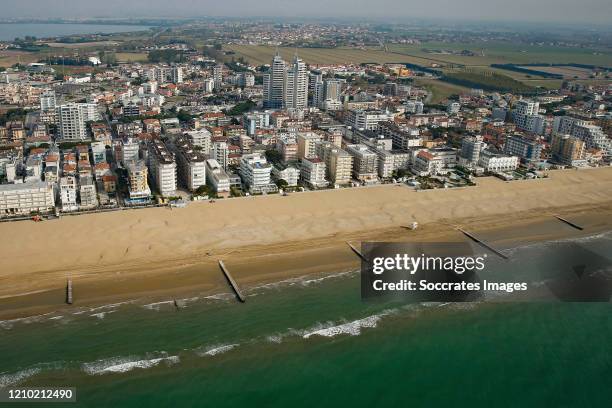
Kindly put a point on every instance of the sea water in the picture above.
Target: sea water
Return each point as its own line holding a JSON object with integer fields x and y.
{"x": 313, "y": 342}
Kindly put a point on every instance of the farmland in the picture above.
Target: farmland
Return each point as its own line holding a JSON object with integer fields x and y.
{"x": 260, "y": 55}
{"x": 488, "y": 53}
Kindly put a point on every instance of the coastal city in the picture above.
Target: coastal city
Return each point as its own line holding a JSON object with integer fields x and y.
{"x": 83, "y": 131}
{"x": 292, "y": 204}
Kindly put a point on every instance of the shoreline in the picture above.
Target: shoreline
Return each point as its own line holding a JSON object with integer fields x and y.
{"x": 321, "y": 257}
{"x": 163, "y": 254}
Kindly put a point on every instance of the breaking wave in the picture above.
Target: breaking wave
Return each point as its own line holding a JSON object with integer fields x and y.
{"x": 125, "y": 364}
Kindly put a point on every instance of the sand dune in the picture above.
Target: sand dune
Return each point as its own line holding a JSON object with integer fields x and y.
{"x": 90, "y": 245}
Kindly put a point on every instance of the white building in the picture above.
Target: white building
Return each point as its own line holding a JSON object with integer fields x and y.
{"x": 313, "y": 172}
{"x": 216, "y": 177}
{"x": 496, "y": 162}
{"x": 162, "y": 168}
{"x": 220, "y": 152}
{"x": 296, "y": 85}
{"x": 527, "y": 117}
{"x": 176, "y": 75}
{"x": 71, "y": 122}
{"x": 68, "y": 193}
{"x": 24, "y": 199}
{"x": 47, "y": 100}
{"x": 360, "y": 119}
{"x": 274, "y": 84}
{"x": 255, "y": 172}
{"x": 390, "y": 161}
{"x": 290, "y": 174}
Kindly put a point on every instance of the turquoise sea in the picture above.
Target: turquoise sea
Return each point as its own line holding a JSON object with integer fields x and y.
{"x": 313, "y": 342}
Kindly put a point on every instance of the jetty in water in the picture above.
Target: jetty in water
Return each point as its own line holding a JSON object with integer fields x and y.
{"x": 69, "y": 292}
{"x": 483, "y": 243}
{"x": 571, "y": 224}
{"x": 232, "y": 282}
{"x": 358, "y": 252}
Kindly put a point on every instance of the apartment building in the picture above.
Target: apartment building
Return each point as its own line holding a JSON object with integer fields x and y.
{"x": 255, "y": 172}
{"x": 365, "y": 162}
{"x": 191, "y": 164}
{"x": 313, "y": 172}
{"x": 138, "y": 187}
{"x": 162, "y": 168}
{"x": 216, "y": 177}
{"x": 68, "y": 193}
{"x": 24, "y": 199}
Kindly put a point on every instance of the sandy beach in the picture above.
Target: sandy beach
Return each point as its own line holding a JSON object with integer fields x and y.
{"x": 160, "y": 252}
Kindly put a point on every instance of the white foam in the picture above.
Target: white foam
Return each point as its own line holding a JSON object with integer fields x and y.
{"x": 214, "y": 350}
{"x": 157, "y": 305}
{"x": 351, "y": 328}
{"x": 125, "y": 364}
{"x": 304, "y": 280}
{"x": 8, "y": 379}
{"x": 101, "y": 315}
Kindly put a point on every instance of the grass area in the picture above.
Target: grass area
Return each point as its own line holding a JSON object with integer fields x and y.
{"x": 504, "y": 53}
{"x": 485, "y": 79}
{"x": 10, "y": 58}
{"x": 440, "y": 90}
{"x": 131, "y": 56}
{"x": 91, "y": 44}
{"x": 260, "y": 55}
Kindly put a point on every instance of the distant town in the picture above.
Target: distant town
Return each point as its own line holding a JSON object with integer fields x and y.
{"x": 220, "y": 110}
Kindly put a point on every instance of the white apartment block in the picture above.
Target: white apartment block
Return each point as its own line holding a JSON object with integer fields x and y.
{"x": 162, "y": 168}
{"x": 71, "y": 122}
{"x": 290, "y": 174}
{"x": 360, "y": 119}
{"x": 427, "y": 164}
{"x": 216, "y": 177}
{"x": 495, "y": 162}
{"x": 255, "y": 172}
{"x": 68, "y": 193}
{"x": 23, "y": 199}
{"x": 313, "y": 172}
{"x": 391, "y": 160}
{"x": 338, "y": 162}
{"x": 527, "y": 117}
{"x": 296, "y": 85}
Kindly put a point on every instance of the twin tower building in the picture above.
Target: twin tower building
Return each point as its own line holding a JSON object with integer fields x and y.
{"x": 286, "y": 86}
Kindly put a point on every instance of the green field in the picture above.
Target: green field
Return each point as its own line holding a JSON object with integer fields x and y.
{"x": 260, "y": 55}
{"x": 131, "y": 56}
{"x": 440, "y": 91}
{"x": 504, "y": 53}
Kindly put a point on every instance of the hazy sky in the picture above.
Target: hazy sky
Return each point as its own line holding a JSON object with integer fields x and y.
{"x": 577, "y": 11}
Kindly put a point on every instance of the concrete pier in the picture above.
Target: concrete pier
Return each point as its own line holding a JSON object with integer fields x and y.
{"x": 232, "y": 282}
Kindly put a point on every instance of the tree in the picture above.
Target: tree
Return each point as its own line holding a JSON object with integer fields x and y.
{"x": 280, "y": 183}
{"x": 274, "y": 156}
{"x": 202, "y": 191}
